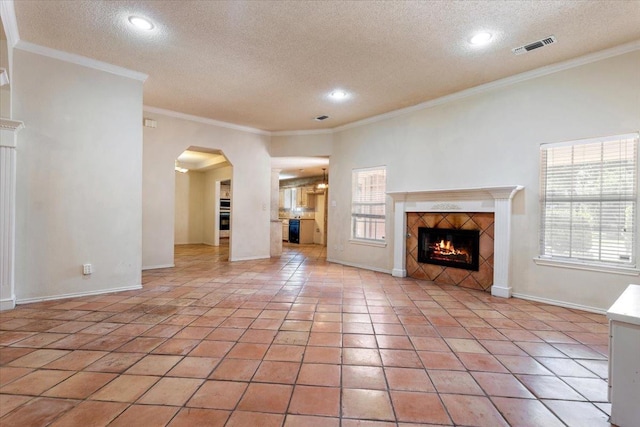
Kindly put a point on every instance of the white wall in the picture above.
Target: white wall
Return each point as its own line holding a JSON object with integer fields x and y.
{"x": 189, "y": 208}
{"x": 246, "y": 151}
{"x": 301, "y": 145}
{"x": 211, "y": 209}
{"x": 493, "y": 139}
{"x": 79, "y": 184}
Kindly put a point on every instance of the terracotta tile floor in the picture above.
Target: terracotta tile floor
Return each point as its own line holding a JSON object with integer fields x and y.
{"x": 297, "y": 341}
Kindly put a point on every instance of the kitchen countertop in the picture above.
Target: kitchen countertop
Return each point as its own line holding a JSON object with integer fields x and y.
{"x": 627, "y": 306}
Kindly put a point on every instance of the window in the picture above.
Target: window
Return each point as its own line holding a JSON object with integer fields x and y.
{"x": 588, "y": 200}
{"x": 368, "y": 205}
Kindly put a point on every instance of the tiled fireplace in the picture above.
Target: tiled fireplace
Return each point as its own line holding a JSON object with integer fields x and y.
{"x": 487, "y": 210}
{"x": 455, "y": 260}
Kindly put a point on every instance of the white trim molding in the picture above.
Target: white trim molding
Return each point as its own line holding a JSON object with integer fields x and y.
{"x": 9, "y": 21}
{"x": 80, "y": 60}
{"x": 157, "y": 267}
{"x": 78, "y": 294}
{"x": 560, "y": 303}
{"x": 476, "y": 90}
{"x": 11, "y": 125}
{"x": 602, "y": 268}
{"x": 249, "y": 258}
{"x": 497, "y": 84}
{"x": 356, "y": 265}
{"x": 478, "y": 199}
{"x": 8, "y": 303}
{"x": 207, "y": 121}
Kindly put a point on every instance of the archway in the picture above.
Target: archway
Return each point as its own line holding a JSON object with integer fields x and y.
{"x": 203, "y": 194}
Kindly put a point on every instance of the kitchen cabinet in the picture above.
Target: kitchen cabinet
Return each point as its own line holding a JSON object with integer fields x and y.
{"x": 287, "y": 198}
{"x": 305, "y": 198}
{"x": 301, "y": 231}
{"x": 307, "y": 227}
{"x": 624, "y": 363}
{"x": 298, "y": 197}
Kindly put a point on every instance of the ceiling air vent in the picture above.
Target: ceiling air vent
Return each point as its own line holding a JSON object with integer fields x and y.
{"x": 321, "y": 118}
{"x": 535, "y": 45}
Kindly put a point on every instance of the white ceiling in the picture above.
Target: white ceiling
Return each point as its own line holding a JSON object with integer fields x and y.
{"x": 201, "y": 160}
{"x": 270, "y": 64}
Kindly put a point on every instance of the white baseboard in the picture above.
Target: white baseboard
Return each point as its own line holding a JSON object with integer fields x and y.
{"x": 560, "y": 303}
{"x": 364, "y": 267}
{"x": 501, "y": 291}
{"x": 399, "y": 272}
{"x": 8, "y": 303}
{"x": 250, "y": 258}
{"x": 77, "y": 294}
{"x": 154, "y": 267}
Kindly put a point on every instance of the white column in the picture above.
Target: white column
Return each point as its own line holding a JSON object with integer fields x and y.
{"x": 502, "y": 240}
{"x": 8, "y": 141}
{"x": 276, "y": 224}
{"x": 501, "y": 247}
{"x": 399, "y": 240}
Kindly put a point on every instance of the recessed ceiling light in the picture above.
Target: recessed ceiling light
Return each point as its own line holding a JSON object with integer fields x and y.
{"x": 481, "y": 38}
{"x": 142, "y": 23}
{"x": 339, "y": 95}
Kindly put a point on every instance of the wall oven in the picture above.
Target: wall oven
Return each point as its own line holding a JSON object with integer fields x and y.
{"x": 225, "y": 218}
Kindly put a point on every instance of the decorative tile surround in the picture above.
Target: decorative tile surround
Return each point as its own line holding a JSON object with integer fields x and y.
{"x": 482, "y": 221}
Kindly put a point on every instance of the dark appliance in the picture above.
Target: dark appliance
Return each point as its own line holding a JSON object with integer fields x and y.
{"x": 294, "y": 231}
{"x": 225, "y": 204}
{"x": 225, "y": 218}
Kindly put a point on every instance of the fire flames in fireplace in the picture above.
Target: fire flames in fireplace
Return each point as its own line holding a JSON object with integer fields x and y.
{"x": 449, "y": 247}
{"x": 445, "y": 251}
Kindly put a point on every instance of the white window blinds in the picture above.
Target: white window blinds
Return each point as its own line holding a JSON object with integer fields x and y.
{"x": 588, "y": 200}
{"x": 368, "y": 207}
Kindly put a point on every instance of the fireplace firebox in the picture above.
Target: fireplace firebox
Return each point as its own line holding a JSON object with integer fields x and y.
{"x": 449, "y": 247}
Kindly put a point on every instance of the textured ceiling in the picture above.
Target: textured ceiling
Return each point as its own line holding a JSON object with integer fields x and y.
{"x": 270, "y": 64}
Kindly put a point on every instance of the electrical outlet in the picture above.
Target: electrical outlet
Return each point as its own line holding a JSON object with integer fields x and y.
{"x": 87, "y": 269}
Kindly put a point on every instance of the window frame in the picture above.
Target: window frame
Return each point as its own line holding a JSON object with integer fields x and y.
{"x": 584, "y": 263}
{"x": 354, "y": 216}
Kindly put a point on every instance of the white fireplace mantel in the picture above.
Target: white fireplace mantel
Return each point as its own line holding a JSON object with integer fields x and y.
{"x": 8, "y": 142}
{"x": 481, "y": 199}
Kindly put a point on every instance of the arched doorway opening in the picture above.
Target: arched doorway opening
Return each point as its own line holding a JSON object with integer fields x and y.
{"x": 203, "y": 197}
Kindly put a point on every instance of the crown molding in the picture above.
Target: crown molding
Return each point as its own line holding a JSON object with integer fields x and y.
{"x": 497, "y": 84}
{"x": 487, "y": 87}
{"x": 80, "y": 60}
{"x": 9, "y": 21}
{"x": 204, "y": 120}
